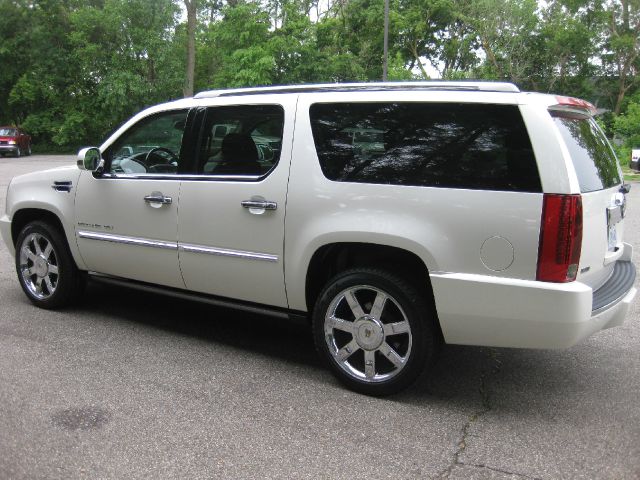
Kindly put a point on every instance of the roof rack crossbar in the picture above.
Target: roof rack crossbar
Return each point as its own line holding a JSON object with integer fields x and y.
{"x": 372, "y": 86}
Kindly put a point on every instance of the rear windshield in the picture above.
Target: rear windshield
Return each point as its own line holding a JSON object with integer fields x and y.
{"x": 593, "y": 159}
{"x": 470, "y": 146}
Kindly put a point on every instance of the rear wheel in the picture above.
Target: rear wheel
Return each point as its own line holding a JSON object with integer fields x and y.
{"x": 29, "y": 150}
{"x": 374, "y": 330}
{"x": 46, "y": 271}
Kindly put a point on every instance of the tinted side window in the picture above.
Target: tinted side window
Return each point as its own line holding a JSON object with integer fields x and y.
{"x": 593, "y": 159}
{"x": 473, "y": 146}
{"x": 241, "y": 140}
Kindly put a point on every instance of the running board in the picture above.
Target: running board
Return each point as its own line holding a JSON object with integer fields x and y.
{"x": 201, "y": 297}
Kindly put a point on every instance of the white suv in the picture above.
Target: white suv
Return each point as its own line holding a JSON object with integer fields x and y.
{"x": 393, "y": 215}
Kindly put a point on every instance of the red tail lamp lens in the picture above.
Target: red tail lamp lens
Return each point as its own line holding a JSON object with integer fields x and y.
{"x": 560, "y": 238}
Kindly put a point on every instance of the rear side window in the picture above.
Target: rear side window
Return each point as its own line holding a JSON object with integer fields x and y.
{"x": 593, "y": 159}
{"x": 471, "y": 146}
{"x": 241, "y": 140}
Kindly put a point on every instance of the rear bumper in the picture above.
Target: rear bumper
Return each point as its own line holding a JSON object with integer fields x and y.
{"x": 499, "y": 312}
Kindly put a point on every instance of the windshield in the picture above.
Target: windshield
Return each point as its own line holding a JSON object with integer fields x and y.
{"x": 8, "y": 132}
{"x": 595, "y": 163}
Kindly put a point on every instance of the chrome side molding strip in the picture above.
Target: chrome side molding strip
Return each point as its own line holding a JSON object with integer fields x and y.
{"x": 224, "y": 252}
{"x": 106, "y": 237}
{"x": 143, "y": 242}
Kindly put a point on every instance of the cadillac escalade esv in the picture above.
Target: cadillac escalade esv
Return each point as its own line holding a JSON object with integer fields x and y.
{"x": 394, "y": 216}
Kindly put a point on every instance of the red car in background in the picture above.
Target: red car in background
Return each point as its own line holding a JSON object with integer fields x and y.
{"x": 13, "y": 140}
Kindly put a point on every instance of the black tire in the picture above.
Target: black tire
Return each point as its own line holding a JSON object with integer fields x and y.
{"x": 364, "y": 352}
{"x": 50, "y": 279}
{"x": 18, "y": 152}
{"x": 29, "y": 150}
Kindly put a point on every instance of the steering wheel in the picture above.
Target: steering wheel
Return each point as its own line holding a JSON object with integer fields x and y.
{"x": 170, "y": 165}
{"x": 173, "y": 156}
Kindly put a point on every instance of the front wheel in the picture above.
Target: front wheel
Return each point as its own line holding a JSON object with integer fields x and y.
{"x": 18, "y": 152}
{"x": 46, "y": 270}
{"x": 374, "y": 330}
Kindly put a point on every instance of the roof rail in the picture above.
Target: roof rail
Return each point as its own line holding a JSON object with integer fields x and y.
{"x": 370, "y": 86}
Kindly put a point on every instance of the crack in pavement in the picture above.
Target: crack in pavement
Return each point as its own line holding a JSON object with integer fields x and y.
{"x": 491, "y": 370}
{"x": 474, "y": 465}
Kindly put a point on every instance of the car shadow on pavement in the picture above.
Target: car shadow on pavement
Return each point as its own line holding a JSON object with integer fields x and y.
{"x": 463, "y": 375}
{"x": 284, "y": 339}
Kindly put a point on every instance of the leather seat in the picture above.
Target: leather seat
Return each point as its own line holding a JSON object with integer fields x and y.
{"x": 239, "y": 156}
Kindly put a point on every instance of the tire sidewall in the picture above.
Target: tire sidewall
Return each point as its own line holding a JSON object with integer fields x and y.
{"x": 414, "y": 307}
{"x": 67, "y": 271}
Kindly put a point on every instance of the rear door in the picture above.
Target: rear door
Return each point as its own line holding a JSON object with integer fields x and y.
{"x": 231, "y": 219}
{"x": 603, "y": 202}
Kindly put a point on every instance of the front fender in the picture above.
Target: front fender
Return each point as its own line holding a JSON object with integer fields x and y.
{"x": 36, "y": 192}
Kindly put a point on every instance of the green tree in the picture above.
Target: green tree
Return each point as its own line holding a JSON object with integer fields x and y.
{"x": 506, "y": 32}
{"x": 127, "y": 59}
{"x": 237, "y": 52}
{"x": 622, "y": 57}
{"x": 626, "y": 127}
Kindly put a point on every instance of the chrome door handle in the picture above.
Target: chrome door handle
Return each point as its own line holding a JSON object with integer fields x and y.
{"x": 263, "y": 204}
{"x": 158, "y": 197}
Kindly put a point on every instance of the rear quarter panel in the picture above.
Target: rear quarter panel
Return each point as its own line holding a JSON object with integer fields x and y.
{"x": 445, "y": 227}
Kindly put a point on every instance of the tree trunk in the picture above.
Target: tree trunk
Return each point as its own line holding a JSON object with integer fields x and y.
{"x": 625, "y": 59}
{"x": 414, "y": 51}
{"x": 491, "y": 56}
{"x": 191, "y": 6}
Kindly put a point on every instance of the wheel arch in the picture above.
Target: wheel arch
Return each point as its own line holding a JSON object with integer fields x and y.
{"x": 331, "y": 259}
{"x": 24, "y": 216}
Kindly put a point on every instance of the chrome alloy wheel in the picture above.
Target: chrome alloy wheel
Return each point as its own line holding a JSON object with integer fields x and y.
{"x": 368, "y": 333}
{"x": 39, "y": 266}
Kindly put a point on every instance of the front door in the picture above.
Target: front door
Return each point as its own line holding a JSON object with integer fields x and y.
{"x": 231, "y": 222}
{"x": 126, "y": 220}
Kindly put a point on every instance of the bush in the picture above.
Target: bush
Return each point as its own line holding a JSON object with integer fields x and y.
{"x": 627, "y": 127}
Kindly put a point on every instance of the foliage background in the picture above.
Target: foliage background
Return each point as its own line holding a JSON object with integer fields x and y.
{"x": 71, "y": 71}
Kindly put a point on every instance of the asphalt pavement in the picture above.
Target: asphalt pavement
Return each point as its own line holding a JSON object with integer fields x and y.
{"x": 130, "y": 385}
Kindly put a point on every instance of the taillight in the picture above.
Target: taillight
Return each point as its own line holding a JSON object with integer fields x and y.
{"x": 560, "y": 238}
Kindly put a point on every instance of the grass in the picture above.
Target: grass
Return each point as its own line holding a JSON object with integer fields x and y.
{"x": 630, "y": 175}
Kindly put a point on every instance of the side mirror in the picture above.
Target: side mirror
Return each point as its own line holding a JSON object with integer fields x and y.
{"x": 90, "y": 159}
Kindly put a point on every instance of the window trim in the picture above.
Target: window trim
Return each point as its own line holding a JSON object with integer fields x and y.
{"x": 183, "y": 176}
{"x": 233, "y": 178}
{"x": 107, "y": 155}
{"x": 428, "y": 102}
